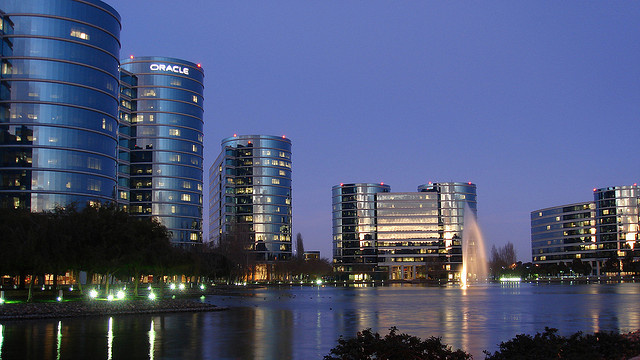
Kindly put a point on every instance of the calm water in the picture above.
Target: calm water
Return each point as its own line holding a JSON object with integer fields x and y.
{"x": 304, "y": 322}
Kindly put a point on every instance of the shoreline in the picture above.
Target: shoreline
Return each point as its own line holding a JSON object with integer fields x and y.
{"x": 83, "y": 308}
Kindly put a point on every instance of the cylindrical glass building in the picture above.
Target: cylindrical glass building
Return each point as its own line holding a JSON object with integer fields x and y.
{"x": 250, "y": 195}
{"x": 166, "y": 144}
{"x": 59, "y": 103}
{"x": 453, "y": 198}
{"x": 354, "y": 229}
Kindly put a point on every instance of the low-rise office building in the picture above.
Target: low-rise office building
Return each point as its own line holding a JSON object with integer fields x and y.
{"x": 593, "y": 232}
{"x": 378, "y": 234}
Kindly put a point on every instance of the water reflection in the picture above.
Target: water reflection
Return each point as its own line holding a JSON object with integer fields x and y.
{"x": 303, "y": 322}
{"x": 59, "y": 340}
{"x": 152, "y": 339}
{"x": 110, "y": 339}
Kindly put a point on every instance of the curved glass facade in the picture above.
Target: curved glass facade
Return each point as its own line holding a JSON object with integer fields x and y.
{"x": 250, "y": 195}
{"x": 597, "y": 232}
{"x": 378, "y": 234}
{"x": 59, "y": 103}
{"x": 564, "y": 233}
{"x": 354, "y": 228}
{"x": 165, "y": 143}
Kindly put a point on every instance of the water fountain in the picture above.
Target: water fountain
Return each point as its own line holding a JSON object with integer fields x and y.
{"x": 474, "y": 259}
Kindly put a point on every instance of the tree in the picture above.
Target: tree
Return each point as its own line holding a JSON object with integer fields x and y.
{"x": 502, "y": 259}
{"x": 368, "y": 345}
{"x": 236, "y": 246}
{"x": 299, "y": 246}
{"x": 627, "y": 261}
{"x": 612, "y": 264}
{"x": 151, "y": 241}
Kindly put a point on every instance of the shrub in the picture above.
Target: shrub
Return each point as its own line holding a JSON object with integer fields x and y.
{"x": 369, "y": 345}
{"x": 549, "y": 345}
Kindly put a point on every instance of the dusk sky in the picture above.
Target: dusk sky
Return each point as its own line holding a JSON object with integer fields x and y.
{"x": 536, "y": 102}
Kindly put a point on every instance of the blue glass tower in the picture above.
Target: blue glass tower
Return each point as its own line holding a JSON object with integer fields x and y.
{"x": 59, "y": 103}
{"x": 250, "y": 196}
{"x": 165, "y": 143}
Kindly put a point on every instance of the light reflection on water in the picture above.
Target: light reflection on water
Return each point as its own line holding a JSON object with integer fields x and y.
{"x": 304, "y": 322}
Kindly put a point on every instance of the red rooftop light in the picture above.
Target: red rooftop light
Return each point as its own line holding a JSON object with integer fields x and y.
{"x": 381, "y": 183}
{"x": 283, "y": 137}
{"x": 341, "y": 184}
{"x": 594, "y": 189}
{"x": 235, "y": 135}
{"x": 199, "y": 65}
{"x": 469, "y": 182}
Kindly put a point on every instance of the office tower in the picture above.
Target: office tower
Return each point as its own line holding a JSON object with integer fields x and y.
{"x": 75, "y": 127}
{"x": 59, "y": 103}
{"x": 165, "y": 143}
{"x": 250, "y": 197}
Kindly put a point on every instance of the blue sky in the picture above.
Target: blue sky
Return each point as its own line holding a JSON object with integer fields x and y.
{"x": 536, "y": 102}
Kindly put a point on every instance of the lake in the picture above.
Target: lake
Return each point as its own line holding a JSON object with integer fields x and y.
{"x": 304, "y": 322}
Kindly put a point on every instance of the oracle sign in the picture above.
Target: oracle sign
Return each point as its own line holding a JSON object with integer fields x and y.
{"x": 169, "y": 68}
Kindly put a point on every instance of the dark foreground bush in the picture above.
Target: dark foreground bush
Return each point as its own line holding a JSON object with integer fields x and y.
{"x": 545, "y": 345}
{"x": 549, "y": 345}
{"x": 367, "y": 345}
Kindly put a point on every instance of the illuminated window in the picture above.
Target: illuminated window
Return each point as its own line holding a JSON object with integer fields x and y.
{"x": 93, "y": 185}
{"x": 282, "y": 173}
{"x": 93, "y": 163}
{"x": 79, "y": 34}
{"x": 174, "y": 132}
{"x": 185, "y": 197}
{"x": 186, "y": 184}
{"x": 275, "y": 181}
{"x": 194, "y": 148}
{"x": 195, "y": 99}
{"x": 193, "y": 236}
{"x": 149, "y": 92}
{"x": 173, "y": 209}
